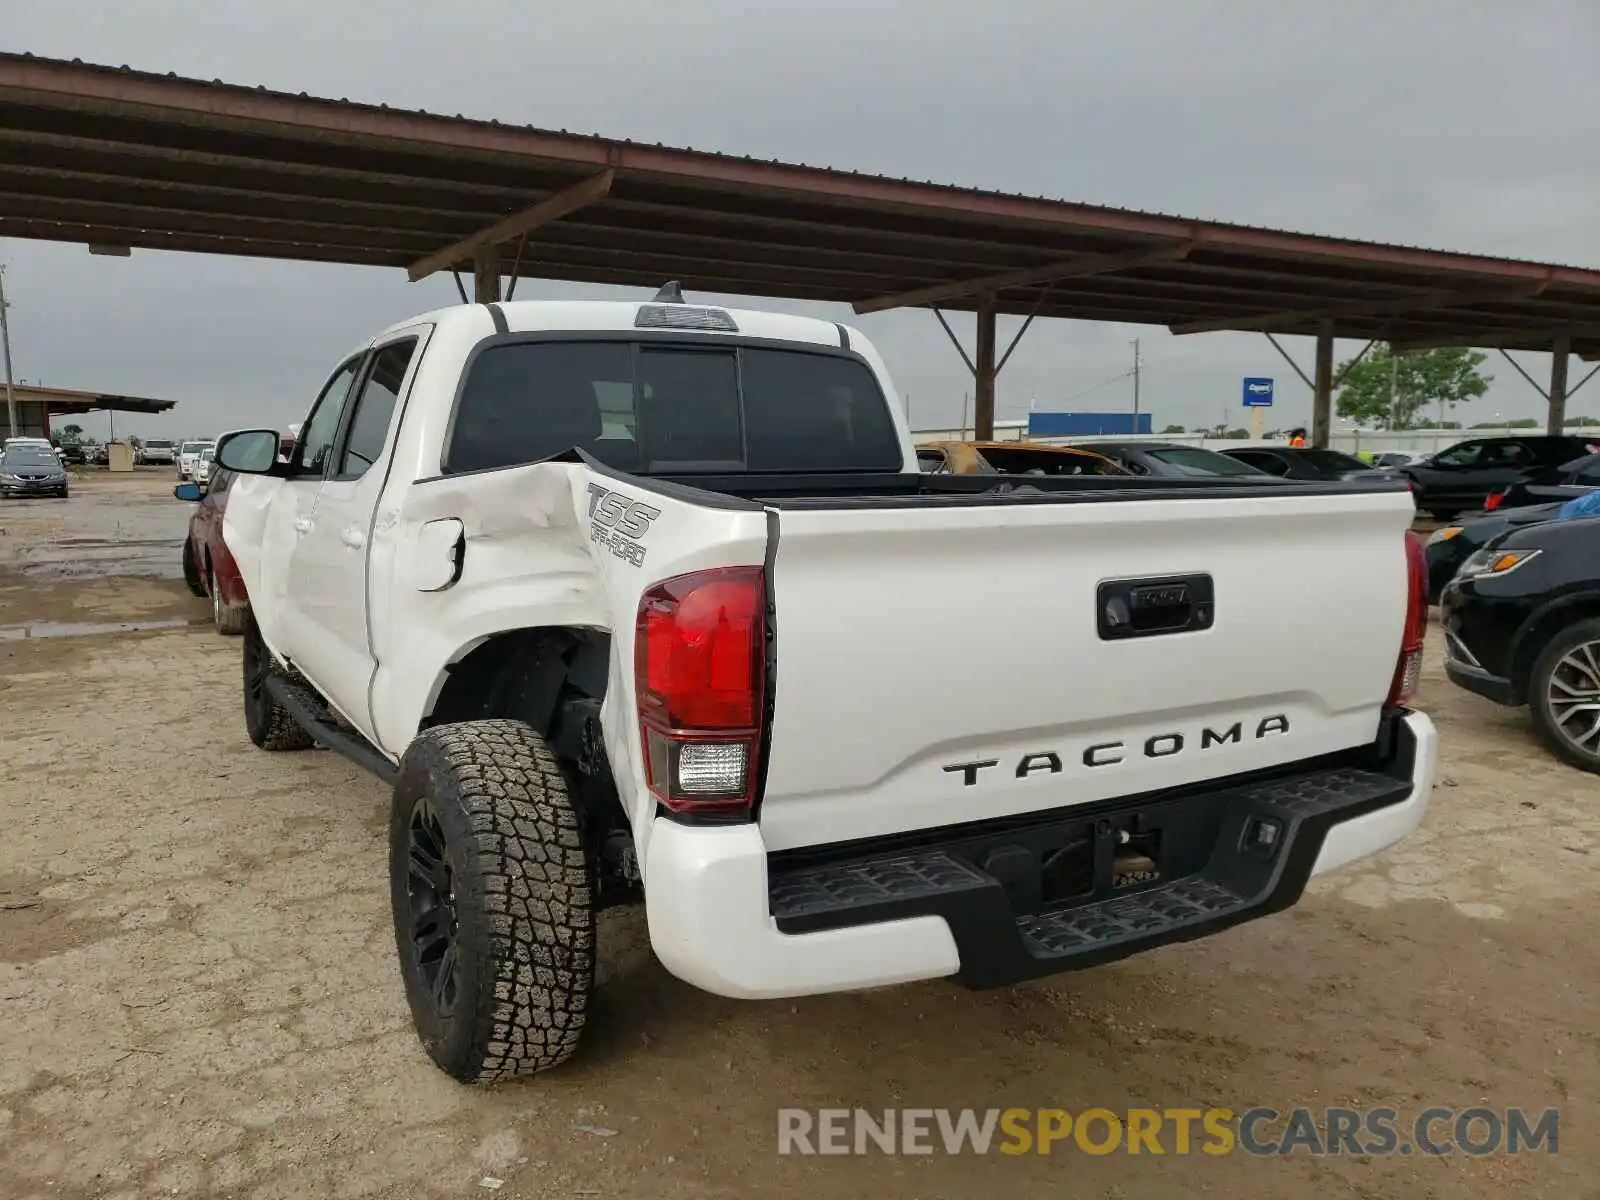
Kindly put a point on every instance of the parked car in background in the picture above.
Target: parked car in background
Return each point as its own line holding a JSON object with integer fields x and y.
{"x": 30, "y": 467}
{"x": 1451, "y": 545}
{"x": 1522, "y": 627}
{"x": 1010, "y": 458}
{"x": 1549, "y": 485}
{"x": 1173, "y": 459}
{"x": 1022, "y": 458}
{"x": 202, "y": 468}
{"x": 208, "y": 566}
{"x": 1461, "y": 478}
{"x": 1399, "y": 458}
{"x": 158, "y": 452}
{"x": 189, "y": 457}
{"x": 74, "y": 453}
{"x": 1307, "y": 462}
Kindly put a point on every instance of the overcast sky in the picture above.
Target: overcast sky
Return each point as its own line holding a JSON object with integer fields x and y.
{"x": 1462, "y": 124}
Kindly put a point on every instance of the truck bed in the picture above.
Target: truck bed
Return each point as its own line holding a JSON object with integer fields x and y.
{"x": 879, "y": 489}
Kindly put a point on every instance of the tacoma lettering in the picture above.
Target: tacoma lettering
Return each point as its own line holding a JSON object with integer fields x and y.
{"x": 1108, "y": 754}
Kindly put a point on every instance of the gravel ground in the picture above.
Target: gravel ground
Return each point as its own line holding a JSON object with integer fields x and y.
{"x": 198, "y": 992}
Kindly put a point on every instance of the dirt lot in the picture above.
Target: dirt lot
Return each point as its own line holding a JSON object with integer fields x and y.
{"x": 198, "y": 995}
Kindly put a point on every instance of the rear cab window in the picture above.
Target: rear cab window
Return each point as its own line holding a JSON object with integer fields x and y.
{"x": 665, "y": 407}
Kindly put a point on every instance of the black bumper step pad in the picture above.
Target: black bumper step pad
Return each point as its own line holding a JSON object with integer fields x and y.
{"x": 1245, "y": 873}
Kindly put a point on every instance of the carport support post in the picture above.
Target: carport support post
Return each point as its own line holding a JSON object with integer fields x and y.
{"x": 1322, "y": 388}
{"x": 1556, "y": 421}
{"x": 5, "y": 343}
{"x": 486, "y": 276}
{"x": 984, "y": 370}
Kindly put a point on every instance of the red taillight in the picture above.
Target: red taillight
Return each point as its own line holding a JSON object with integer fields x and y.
{"x": 699, "y": 674}
{"x": 1494, "y": 500}
{"x": 1408, "y": 668}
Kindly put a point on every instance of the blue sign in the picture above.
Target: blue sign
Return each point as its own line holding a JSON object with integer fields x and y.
{"x": 1257, "y": 392}
{"x": 1086, "y": 424}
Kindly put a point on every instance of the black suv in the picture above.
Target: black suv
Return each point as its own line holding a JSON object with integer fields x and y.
{"x": 1550, "y": 485}
{"x": 1522, "y": 626}
{"x": 1461, "y": 478}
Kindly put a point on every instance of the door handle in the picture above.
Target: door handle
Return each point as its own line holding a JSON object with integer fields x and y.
{"x": 302, "y": 524}
{"x": 353, "y": 538}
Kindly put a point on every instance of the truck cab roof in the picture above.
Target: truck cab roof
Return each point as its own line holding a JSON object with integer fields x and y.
{"x": 577, "y": 316}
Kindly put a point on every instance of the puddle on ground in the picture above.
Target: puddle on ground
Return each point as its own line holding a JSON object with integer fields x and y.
{"x": 92, "y": 558}
{"x": 61, "y": 629}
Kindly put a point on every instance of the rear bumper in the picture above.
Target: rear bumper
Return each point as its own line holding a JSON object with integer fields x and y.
{"x": 727, "y": 918}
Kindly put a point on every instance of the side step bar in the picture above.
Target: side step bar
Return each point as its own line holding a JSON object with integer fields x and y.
{"x": 316, "y": 720}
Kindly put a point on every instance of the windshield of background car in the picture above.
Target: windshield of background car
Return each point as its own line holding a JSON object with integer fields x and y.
{"x": 1192, "y": 460}
{"x": 664, "y": 407}
{"x": 19, "y": 457}
{"x": 195, "y": 447}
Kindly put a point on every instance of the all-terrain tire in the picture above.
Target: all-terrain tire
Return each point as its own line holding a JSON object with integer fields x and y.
{"x": 269, "y": 724}
{"x": 191, "y": 571}
{"x": 1540, "y": 707}
{"x": 230, "y": 619}
{"x": 494, "y": 915}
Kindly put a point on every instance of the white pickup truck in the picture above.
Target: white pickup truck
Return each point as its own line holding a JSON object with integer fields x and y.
{"x": 649, "y": 601}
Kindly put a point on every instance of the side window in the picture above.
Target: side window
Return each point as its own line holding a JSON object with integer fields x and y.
{"x": 374, "y": 409}
{"x": 1465, "y": 455}
{"x": 1505, "y": 454}
{"x": 932, "y": 462}
{"x": 1588, "y": 474}
{"x": 315, "y": 444}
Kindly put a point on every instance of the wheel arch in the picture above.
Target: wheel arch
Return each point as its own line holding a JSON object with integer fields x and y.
{"x": 1538, "y": 630}
{"x": 523, "y": 674}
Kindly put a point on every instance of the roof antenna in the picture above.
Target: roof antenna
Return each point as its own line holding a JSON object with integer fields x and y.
{"x": 670, "y": 293}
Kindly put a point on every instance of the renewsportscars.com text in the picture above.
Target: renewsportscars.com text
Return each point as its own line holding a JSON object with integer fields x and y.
{"x": 1260, "y": 1131}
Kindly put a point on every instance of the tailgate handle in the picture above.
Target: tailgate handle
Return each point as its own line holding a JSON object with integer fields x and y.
{"x": 1130, "y": 608}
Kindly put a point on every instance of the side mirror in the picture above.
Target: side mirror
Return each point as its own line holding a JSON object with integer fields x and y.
{"x": 249, "y": 451}
{"x": 189, "y": 491}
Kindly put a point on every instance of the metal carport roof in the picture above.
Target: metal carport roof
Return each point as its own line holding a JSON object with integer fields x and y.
{"x": 120, "y": 158}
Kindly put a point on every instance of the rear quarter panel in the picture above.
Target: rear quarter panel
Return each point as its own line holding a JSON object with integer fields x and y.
{"x": 535, "y": 556}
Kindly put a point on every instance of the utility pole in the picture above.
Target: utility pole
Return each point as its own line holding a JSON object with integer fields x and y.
{"x": 1135, "y": 385}
{"x": 5, "y": 342}
{"x": 1394, "y": 377}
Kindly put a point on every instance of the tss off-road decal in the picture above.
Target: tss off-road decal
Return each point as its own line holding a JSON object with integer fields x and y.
{"x": 618, "y": 523}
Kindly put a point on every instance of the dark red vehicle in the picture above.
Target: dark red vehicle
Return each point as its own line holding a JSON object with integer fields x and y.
{"x": 208, "y": 568}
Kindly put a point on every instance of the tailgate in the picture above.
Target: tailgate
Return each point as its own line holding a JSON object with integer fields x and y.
{"x": 949, "y": 664}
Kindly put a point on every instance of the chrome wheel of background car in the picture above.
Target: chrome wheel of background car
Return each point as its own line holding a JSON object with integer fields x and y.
{"x": 1573, "y": 694}
{"x": 430, "y": 888}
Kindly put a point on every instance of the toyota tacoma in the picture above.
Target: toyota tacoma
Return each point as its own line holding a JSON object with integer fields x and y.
{"x": 649, "y": 602}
